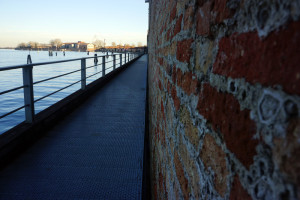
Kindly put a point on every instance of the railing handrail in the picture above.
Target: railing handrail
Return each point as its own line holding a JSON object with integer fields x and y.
{"x": 5, "y": 68}
{"x": 28, "y": 78}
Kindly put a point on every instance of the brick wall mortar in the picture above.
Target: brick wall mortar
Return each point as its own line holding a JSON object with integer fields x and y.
{"x": 183, "y": 70}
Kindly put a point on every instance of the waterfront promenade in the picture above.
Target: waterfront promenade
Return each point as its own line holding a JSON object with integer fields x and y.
{"x": 96, "y": 152}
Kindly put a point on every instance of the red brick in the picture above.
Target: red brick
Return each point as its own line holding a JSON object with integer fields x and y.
{"x": 184, "y": 50}
{"x": 237, "y": 191}
{"x": 174, "y": 75}
{"x": 184, "y": 184}
{"x": 186, "y": 81}
{"x": 270, "y": 61}
{"x": 162, "y": 110}
{"x": 200, "y": 2}
{"x": 286, "y": 153}
{"x": 162, "y": 186}
{"x": 160, "y": 182}
{"x": 173, "y": 14}
{"x": 159, "y": 85}
{"x": 169, "y": 87}
{"x": 163, "y": 28}
{"x": 213, "y": 156}
{"x": 175, "y": 98}
{"x": 203, "y": 19}
{"x": 179, "y": 77}
{"x": 210, "y": 13}
{"x": 160, "y": 133}
{"x": 223, "y": 112}
{"x": 177, "y": 27}
{"x": 189, "y": 85}
{"x": 168, "y": 36}
{"x": 188, "y": 22}
{"x": 221, "y": 10}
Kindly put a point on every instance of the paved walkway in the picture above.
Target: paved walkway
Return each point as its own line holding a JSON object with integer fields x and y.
{"x": 94, "y": 153}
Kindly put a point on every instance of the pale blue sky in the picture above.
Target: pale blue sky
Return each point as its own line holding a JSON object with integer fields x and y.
{"x": 124, "y": 21}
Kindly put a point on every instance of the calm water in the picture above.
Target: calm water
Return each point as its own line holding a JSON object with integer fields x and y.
{"x": 14, "y": 78}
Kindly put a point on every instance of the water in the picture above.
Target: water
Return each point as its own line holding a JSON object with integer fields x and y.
{"x": 14, "y": 78}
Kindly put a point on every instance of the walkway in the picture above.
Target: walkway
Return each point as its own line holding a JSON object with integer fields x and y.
{"x": 94, "y": 153}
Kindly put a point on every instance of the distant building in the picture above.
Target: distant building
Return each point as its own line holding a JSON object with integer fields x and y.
{"x": 77, "y": 46}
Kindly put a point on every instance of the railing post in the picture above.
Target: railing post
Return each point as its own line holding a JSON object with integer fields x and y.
{"x": 121, "y": 59}
{"x": 103, "y": 66}
{"x": 83, "y": 73}
{"x": 125, "y": 58}
{"x": 114, "y": 62}
{"x": 128, "y": 57}
{"x": 28, "y": 94}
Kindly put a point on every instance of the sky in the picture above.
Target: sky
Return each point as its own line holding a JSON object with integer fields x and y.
{"x": 120, "y": 21}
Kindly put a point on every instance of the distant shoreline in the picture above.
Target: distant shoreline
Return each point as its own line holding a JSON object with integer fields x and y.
{"x": 7, "y": 47}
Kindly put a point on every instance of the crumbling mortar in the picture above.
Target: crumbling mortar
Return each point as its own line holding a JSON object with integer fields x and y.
{"x": 265, "y": 16}
{"x": 275, "y": 182}
{"x": 252, "y": 97}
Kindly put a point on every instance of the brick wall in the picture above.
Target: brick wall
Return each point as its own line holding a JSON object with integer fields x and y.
{"x": 224, "y": 104}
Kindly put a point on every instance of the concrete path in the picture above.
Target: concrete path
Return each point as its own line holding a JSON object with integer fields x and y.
{"x": 94, "y": 153}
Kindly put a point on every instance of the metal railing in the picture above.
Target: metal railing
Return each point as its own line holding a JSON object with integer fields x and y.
{"x": 28, "y": 83}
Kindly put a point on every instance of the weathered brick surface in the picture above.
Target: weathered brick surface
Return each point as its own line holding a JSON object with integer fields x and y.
{"x": 210, "y": 13}
{"x": 213, "y": 157}
{"x": 237, "y": 191}
{"x": 270, "y": 61}
{"x": 181, "y": 177}
{"x": 224, "y": 101}
{"x": 191, "y": 169}
{"x": 189, "y": 18}
{"x": 184, "y": 50}
{"x": 175, "y": 98}
{"x": 287, "y": 151}
{"x": 177, "y": 27}
{"x": 224, "y": 114}
{"x": 187, "y": 81}
{"x": 191, "y": 131}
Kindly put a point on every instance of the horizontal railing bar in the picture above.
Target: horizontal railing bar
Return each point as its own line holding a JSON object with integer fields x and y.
{"x": 91, "y": 66}
{"x": 109, "y": 61}
{"x": 93, "y": 75}
{"x": 110, "y": 67}
{"x": 98, "y": 64}
{"x": 11, "y": 90}
{"x": 45, "y": 63}
{"x": 56, "y": 91}
{"x": 54, "y": 77}
{"x": 11, "y": 112}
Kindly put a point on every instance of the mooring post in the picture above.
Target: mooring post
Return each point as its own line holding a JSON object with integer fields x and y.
{"x": 114, "y": 62}
{"x": 103, "y": 66}
{"x": 83, "y": 73}
{"x": 28, "y": 93}
{"x": 95, "y": 60}
{"x": 29, "y": 61}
